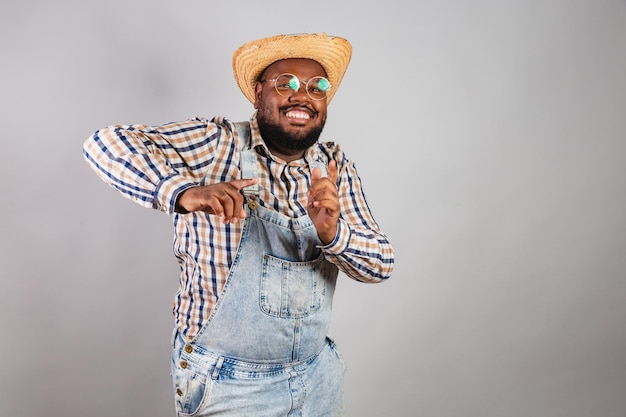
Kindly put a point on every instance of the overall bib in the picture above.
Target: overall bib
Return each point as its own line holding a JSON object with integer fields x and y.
{"x": 264, "y": 351}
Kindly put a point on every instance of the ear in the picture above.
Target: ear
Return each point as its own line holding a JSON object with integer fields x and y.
{"x": 258, "y": 89}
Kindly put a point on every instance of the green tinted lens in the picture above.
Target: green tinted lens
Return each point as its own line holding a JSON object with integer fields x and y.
{"x": 323, "y": 84}
{"x": 317, "y": 87}
{"x": 294, "y": 83}
{"x": 286, "y": 84}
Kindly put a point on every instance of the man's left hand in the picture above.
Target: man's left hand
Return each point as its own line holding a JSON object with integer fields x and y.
{"x": 323, "y": 206}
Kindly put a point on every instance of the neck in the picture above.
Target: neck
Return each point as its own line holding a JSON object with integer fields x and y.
{"x": 286, "y": 155}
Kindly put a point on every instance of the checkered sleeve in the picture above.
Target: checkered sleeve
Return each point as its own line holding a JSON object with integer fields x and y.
{"x": 150, "y": 165}
{"x": 360, "y": 249}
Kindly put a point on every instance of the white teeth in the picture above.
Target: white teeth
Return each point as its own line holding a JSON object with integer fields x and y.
{"x": 298, "y": 115}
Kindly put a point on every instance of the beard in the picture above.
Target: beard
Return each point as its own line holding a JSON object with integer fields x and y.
{"x": 275, "y": 136}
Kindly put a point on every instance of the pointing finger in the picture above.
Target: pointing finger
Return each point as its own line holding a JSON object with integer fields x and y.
{"x": 332, "y": 171}
{"x": 243, "y": 183}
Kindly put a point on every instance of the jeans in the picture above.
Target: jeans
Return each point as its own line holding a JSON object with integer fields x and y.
{"x": 212, "y": 385}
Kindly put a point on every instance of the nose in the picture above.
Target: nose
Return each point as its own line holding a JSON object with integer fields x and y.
{"x": 300, "y": 95}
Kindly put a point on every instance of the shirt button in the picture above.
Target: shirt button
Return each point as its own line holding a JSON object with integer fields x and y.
{"x": 252, "y": 204}
{"x": 188, "y": 349}
{"x": 179, "y": 392}
{"x": 183, "y": 364}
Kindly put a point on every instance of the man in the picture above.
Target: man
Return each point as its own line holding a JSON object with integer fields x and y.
{"x": 264, "y": 216}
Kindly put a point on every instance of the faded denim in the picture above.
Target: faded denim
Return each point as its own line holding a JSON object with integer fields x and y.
{"x": 264, "y": 350}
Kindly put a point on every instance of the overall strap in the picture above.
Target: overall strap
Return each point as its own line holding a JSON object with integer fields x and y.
{"x": 243, "y": 134}
{"x": 318, "y": 161}
{"x": 318, "y": 164}
{"x": 248, "y": 158}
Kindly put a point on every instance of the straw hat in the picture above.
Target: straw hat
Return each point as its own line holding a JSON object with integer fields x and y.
{"x": 251, "y": 59}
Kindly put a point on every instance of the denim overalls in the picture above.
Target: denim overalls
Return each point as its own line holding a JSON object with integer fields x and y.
{"x": 265, "y": 351}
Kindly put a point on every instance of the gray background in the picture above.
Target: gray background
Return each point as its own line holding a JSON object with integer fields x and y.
{"x": 490, "y": 138}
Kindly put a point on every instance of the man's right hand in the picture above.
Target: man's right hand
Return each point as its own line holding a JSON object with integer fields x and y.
{"x": 223, "y": 199}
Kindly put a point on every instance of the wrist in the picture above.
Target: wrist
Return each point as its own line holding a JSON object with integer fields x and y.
{"x": 182, "y": 200}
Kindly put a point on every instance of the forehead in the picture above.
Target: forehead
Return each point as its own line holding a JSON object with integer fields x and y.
{"x": 297, "y": 66}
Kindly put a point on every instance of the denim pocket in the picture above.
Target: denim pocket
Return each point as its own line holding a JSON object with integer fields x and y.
{"x": 333, "y": 348}
{"x": 292, "y": 289}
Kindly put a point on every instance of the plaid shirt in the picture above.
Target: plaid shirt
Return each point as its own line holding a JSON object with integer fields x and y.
{"x": 153, "y": 165}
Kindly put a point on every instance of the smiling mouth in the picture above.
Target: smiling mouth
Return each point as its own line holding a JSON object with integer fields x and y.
{"x": 298, "y": 114}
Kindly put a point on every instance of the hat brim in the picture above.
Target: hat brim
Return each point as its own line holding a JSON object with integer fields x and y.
{"x": 331, "y": 52}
